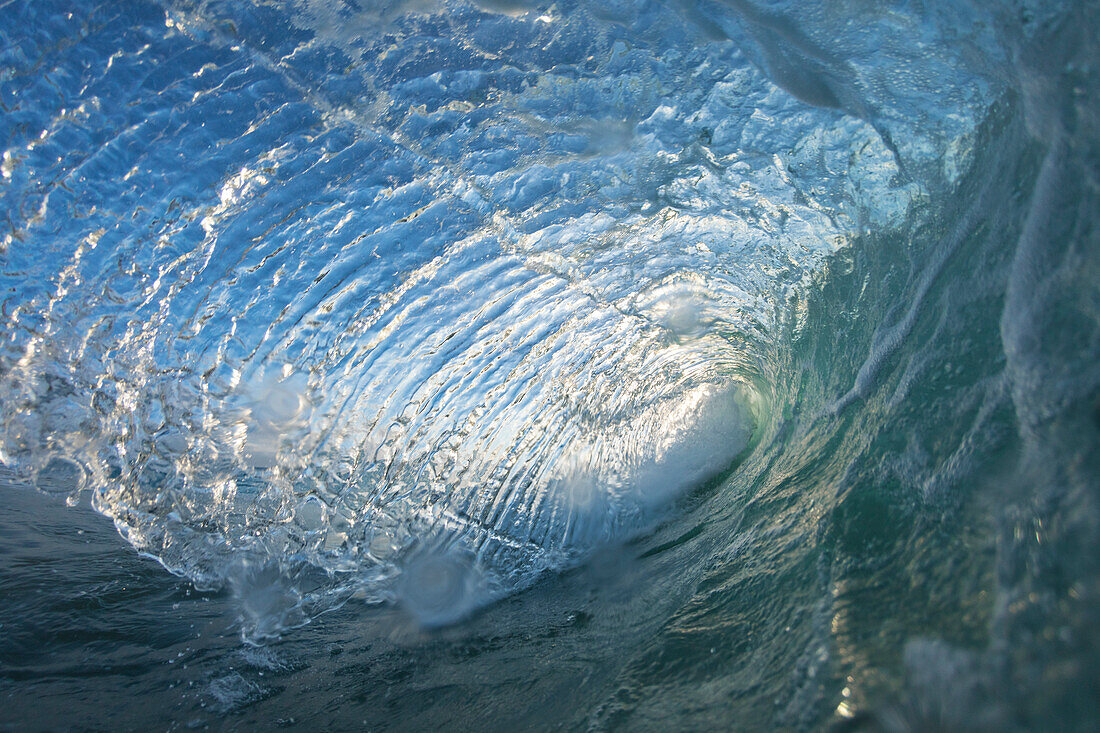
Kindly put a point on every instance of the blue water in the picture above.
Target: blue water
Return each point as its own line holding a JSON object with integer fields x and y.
{"x": 588, "y": 365}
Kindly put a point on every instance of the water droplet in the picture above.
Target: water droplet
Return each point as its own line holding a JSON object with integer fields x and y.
{"x": 60, "y": 476}
{"x": 439, "y": 589}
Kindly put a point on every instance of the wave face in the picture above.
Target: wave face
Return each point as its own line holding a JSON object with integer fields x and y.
{"x": 417, "y": 302}
{"x": 451, "y": 281}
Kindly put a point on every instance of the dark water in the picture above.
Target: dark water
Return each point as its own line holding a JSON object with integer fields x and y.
{"x": 590, "y": 365}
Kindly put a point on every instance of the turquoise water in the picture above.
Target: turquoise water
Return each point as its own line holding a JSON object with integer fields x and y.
{"x": 585, "y": 365}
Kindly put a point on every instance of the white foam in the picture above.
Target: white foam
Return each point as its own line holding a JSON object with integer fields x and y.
{"x": 665, "y": 450}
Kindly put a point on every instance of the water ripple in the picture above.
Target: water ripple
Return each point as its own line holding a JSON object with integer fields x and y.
{"x": 452, "y": 290}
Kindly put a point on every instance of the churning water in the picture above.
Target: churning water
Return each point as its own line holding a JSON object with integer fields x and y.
{"x": 613, "y": 364}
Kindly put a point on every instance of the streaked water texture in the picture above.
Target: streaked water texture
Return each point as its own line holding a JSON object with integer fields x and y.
{"x": 450, "y": 279}
{"x": 757, "y": 340}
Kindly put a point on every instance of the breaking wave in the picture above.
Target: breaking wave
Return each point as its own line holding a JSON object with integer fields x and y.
{"x": 414, "y": 302}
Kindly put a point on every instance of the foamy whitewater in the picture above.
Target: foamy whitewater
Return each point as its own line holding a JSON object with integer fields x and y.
{"x": 708, "y": 364}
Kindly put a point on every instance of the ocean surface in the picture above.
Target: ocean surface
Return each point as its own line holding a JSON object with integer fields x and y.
{"x": 574, "y": 365}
